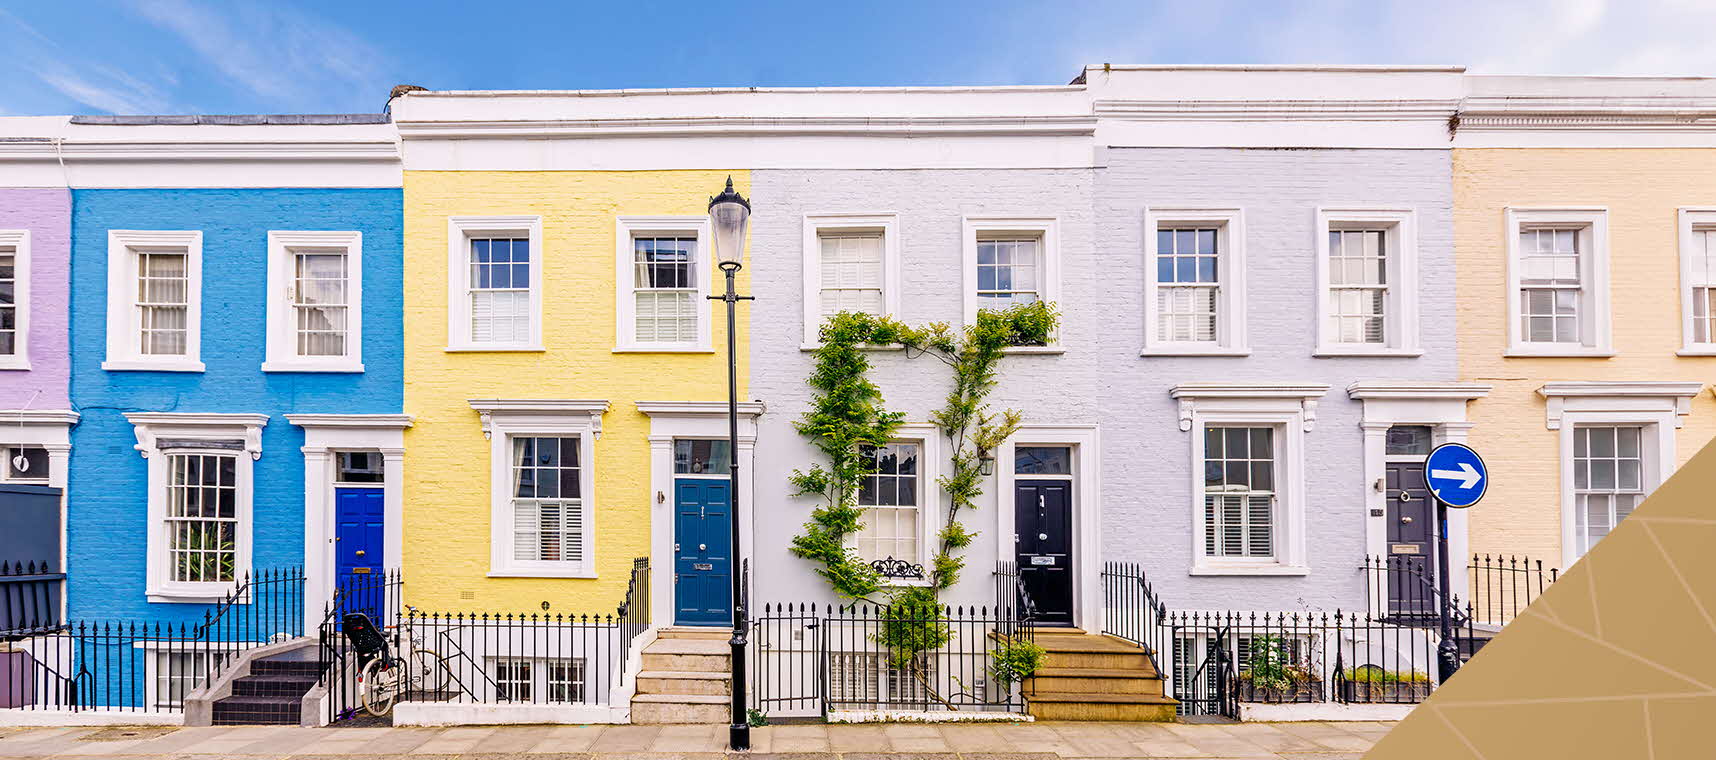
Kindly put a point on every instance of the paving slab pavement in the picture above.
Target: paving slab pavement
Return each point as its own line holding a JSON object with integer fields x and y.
{"x": 896, "y": 741}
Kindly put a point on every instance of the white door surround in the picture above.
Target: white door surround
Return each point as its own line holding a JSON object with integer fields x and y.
{"x": 1441, "y": 407}
{"x": 324, "y": 436}
{"x": 1084, "y": 440}
{"x": 672, "y": 420}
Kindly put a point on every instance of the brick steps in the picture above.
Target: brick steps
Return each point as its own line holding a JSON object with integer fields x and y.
{"x": 1091, "y": 678}
{"x": 272, "y": 694}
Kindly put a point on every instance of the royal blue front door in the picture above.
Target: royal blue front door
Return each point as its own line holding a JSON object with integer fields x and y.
{"x": 702, "y": 562}
{"x": 358, "y": 551}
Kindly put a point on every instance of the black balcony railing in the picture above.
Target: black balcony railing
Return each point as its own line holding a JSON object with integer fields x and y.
{"x": 1499, "y": 587}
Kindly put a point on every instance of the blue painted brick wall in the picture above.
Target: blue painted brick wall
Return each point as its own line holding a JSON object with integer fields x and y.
{"x": 107, "y": 501}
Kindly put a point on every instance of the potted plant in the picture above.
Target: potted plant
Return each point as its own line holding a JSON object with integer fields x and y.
{"x": 1375, "y": 684}
{"x": 1271, "y": 676}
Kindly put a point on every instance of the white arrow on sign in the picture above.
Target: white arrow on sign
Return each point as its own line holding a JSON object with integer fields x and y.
{"x": 1467, "y": 475}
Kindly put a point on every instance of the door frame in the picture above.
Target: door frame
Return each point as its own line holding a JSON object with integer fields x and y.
{"x": 672, "y": 420}
{"x": 1084, "y": 440}
{"x": 1441, "y": 407}
{"x": 324, "y": 436}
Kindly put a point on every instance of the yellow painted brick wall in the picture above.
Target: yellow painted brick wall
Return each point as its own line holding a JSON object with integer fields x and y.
{"x": 1643, "y": 190}
{"x": 447, "y": 502}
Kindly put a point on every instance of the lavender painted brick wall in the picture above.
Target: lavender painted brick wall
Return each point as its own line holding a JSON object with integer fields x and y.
{"x": 1147, "y": 503}
{"x": 1147, "y": 508}
{"x": 930, "y": 203}
{"x": 46, "y": 213}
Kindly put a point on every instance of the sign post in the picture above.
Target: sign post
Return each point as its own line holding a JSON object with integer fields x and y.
{"x": 1458, "y": 479}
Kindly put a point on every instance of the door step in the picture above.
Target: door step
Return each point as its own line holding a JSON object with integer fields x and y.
{"x": 686, "y": 678}
{"x": 1088, "y": 677}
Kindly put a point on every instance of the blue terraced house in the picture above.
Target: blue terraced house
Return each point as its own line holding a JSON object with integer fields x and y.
{"x": 235, "y": 337}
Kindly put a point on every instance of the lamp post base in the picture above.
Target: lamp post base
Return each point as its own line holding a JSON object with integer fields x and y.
{"x": 739, "y": 738}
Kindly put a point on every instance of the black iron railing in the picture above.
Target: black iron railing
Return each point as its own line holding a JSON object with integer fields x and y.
{"x": 378, "y": 595}
{"x": 149, "y": 666}
{"x": 813, "y": 659}
{"x": 29, "y": 597}
{"x": 1217, "y": 661}
{"x": 1402, "y": 589}
{"x": 490, "y": 658}
{"x": 1498, "y": 586}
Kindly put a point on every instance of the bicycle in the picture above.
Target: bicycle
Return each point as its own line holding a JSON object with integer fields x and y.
{"x": 385, "y": 675}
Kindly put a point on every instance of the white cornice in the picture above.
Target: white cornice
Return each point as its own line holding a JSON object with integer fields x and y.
{"x": 742, "y": 126}
{"x": 1323, "y": 109}
{"x": 392, "y": 421}
{"x": 38, "y": 417}
{"x": 1301, "y": 397}
{"x": 697, "y": 408}
{"x": 1622, "y": 396}
{"x": 148, "y": 426}
{"x": 1633, "y": 388}
{"x": 535, "y": 409}
{"x": 1417, "y": 390}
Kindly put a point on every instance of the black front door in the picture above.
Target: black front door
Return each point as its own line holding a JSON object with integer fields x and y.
{"x": 1042, "y": 524}
{"x": 1411, "y": 540}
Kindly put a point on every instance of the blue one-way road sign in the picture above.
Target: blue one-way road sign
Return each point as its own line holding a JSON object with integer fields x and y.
{"x": 1457, "y": 475}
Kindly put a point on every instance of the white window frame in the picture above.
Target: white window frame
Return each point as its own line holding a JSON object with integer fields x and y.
{"x": 540, "y": 683}
{"x": 122, "y": 325}
{"x": 9, "y": 450}
{"x": 19, "y": 242}
{"x": 628, "y": 229}
{"x": 151, "y": 652}
{"x": 1047, "y": 231}
{"x": 461, "y": 230}
{"x": 1400, "y": 307}
{"x": 150, "y": 427}
{"x": 1596, "y": 322}
{"x": 1289, "y": 408}
{"x": 282, "y": 349}
{"x": 1691, "y": 222}
{"x": 928, "y": 440}
{"x": 815, "y": 225}
{"x": 1231, "y": 334}
{"x": 503, "y": 420}
{"x": 1661, "y": 407}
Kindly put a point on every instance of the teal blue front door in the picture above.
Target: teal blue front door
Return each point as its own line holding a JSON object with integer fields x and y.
{"x": 702, "y": 562}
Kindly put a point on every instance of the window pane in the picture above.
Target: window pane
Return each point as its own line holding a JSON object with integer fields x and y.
{"x": 201, "y": 523}
{"x": 548, "y": 515}
{"x": 1042, "y": 460}
{"x": 852, "y": 273}
{"x": 1239, "y": 481}
{"x": 500, "y": 290}
{"x": 1408, "y": 440}
{"x": 25, "y": 463}
{"x": 889, "y": 525}
{"x": 699, "y": 457}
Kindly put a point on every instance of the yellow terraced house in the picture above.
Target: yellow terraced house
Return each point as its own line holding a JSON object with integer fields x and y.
{"x": 1586, "y": 257}
{"x": 569, "y": 382}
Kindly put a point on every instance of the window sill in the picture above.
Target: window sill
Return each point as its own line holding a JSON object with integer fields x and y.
{"x": 498, "y": 348}
{"x": 1194, "y": 351}
{"x": 1248, "y": 569}
{"x": 663, "y": 350}
{"x": 1049, "y": 350}
{"x": 289, "y": 366}
{"x": 541, "y": 573}
{"x": 14, "y": 362}
{"x": 809, "y": 347}
{"x": 138, "y": 365}
{"x": 1687, "y": 351}
{"x": 1324, "y": 352}
{"x": 213, "y": 592}
{"x": 1557, "y": 352}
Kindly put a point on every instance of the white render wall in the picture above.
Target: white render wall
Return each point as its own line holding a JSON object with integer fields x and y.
{"x": 1147, "y": 507}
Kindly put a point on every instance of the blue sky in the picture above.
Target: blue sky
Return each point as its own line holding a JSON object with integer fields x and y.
{"x": 310, "y": 56}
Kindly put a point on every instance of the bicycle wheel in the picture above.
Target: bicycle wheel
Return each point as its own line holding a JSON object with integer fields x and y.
{"x": 428, "y": 671}
{"x": 379, "y": 686}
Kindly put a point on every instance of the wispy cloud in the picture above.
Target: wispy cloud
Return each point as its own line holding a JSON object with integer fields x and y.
{"x": 283, "y": 55}
{"x": 94, "y": 85}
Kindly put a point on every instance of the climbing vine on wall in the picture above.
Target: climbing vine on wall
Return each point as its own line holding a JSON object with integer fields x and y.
{"x": 848, "y": 416}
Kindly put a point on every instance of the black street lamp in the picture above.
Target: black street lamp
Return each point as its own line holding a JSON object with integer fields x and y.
{"x": 730, "y": 213}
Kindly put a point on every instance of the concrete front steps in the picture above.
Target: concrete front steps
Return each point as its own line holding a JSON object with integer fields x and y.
{"x": 1086, "y": 677}
{"x": 687, "y": 677}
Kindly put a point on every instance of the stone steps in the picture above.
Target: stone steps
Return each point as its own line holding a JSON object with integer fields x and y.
{"x": 1086, "y": 677}
{"x": 686, "y": 678}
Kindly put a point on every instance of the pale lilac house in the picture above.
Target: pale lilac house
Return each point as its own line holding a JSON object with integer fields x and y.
{"x": 35, "y": 412}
